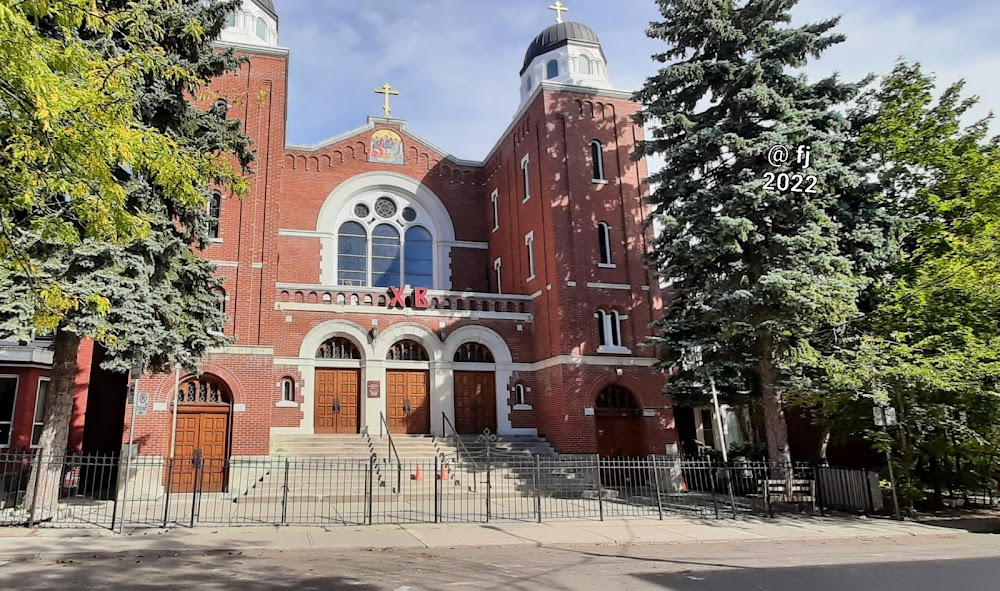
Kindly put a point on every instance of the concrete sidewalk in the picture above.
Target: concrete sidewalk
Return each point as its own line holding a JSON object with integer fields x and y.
{"x": 25, "y": 544}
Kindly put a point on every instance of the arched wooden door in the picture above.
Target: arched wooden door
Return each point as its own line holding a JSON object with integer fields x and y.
{"x": 201, "y": 444}
{"x": 337, "y": 391}
{"x": 475, "y": 391}
{"x": 618, "y": 420}
{"x": 407, "y": 395}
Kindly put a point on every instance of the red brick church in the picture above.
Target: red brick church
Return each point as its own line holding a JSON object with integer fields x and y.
{"x": 375, "y": 280}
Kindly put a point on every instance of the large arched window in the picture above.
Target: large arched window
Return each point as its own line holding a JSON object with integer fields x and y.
{"x": 583, "y": 65}
{"x": 352, "y": 254}
{"x": 551, "y": 69}
{"x": 262, "y": 29}
{"x": 419, "y": 258}
{"x": 385, "y": 256}
{"x": 385, "y": 243}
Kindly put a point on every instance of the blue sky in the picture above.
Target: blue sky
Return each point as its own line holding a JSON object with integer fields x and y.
{"x": 456, "y": 62}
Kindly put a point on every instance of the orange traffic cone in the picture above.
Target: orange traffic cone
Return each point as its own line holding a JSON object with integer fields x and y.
{"x": 444, "y": 473}
{"x": 418, "y": 475}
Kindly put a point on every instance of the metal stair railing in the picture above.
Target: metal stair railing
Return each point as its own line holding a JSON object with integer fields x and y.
{"x": 445, "y": 423}
{"x": 384, "y": 430}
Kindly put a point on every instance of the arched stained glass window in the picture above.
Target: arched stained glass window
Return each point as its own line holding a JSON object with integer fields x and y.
{"x": 352, "y": 254}
{"x": 473, "y": 353}
{"x": 419, "y": 257}
{"x": 385, "y": 256}
{"x": 338, "y": 348}
{"x": 407, "y": 350}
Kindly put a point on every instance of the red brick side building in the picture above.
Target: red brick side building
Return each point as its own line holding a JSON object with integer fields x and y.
{"x": 537, "y": 299}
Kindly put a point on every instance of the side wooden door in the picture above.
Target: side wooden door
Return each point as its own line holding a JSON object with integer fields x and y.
{"x": 337, "y": 401}
{"x": 475, "y": 402}
{"x": 205, "y": 431}
{"x": 408, "y": 408}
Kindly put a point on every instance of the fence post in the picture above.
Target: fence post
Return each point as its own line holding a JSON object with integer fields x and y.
{"x": 369, "y": 490}
{"x": 600, "y": 500}
{"x": 656, "y": 484}
{"x": 34, "y": 493}
{"x": 538, "y": 484}
{"x": 197, "y": 484}
{"x": 284, "y": 497}
{"x": 170, "y": 483}
{"x": 437, "y": 492}
{"x": 819, "y": 490}
{"x": 767, "y": 497}
{"x": 715, "y": 497}
{"x": 868, "y": 489}
{"x": 489, "y": 483}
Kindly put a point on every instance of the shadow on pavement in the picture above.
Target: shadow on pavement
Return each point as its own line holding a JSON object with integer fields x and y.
{"x": 955, "y": 575}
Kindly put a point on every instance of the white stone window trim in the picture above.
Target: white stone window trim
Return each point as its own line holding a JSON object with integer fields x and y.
{"x": 286, "y": 404}
{"x": 526, "y": 178}
{"x": 494, "y": 198}
{"x": 522, "y": 407}
{"x": 610, "y": 336}
{"x": 519, "y": 399}
{"x": 496, "y": 267}
{"x": 287, "y": 388}
{"x": 607, "y": 266}
{"x": 529, "y": 242}
{"x": 13, "y": 408}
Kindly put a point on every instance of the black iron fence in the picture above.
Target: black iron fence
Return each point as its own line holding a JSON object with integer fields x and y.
{"x": 113, "y": 492}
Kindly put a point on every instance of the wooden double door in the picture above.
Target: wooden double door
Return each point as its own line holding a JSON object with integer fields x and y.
{"x": 338, "y": 401}
{"x": 407, "y": 401}
{"x": 475, "y": 402}
{"x": 201, "y": 449}
{"x": 619, "y": 434}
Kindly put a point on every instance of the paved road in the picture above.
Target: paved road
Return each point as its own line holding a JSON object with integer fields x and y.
{"x": 967, "y": 562}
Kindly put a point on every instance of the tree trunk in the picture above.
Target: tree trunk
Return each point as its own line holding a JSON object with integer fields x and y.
{"x": 48, "y": 468}
{"x": 774, "y": 416}
{"x": 824, "y": 445}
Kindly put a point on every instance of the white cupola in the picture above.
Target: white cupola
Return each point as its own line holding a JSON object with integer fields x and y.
{"x": 565, "y": 53}
{"x": 253, "y": 23}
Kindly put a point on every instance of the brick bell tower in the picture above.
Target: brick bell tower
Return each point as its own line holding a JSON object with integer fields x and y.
{"x": 568, "y": 229}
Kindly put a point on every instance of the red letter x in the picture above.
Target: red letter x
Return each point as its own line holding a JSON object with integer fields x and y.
{"x": 420, "y": 298}
{"x": 397, "y": 297}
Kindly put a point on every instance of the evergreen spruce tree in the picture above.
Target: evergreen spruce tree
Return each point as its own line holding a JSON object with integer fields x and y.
{"x": 162, "y": 301}
{"x": 754, "y": 271}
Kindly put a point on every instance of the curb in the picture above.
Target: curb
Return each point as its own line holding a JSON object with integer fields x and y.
{"x": 59, "y": 556}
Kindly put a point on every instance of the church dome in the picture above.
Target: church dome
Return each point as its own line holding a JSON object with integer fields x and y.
{"x": 556, "y": 36}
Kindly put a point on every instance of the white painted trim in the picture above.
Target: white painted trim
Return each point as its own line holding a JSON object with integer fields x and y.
{"x": 437, "y": 293}
{"x": 645, "y": 288}
{"x": 529, "y": 241}
{"x": 522, "y": 407}
{"x": 607, "y": 265}
{"x": 571, "y": 284}
{"x": 239, "y": 350}
{"x": 286, "y": 404}
{"x": 525, "y": 178}
{"x": 439, "y": 313}
{"x": 215, "y": 241}
{"x": 536, "y": 294}
{"x": 598, "y": 285}
{"x": 614, "y": 350}
{"x": 467, "y": 244}
{"x": 258, "y": 265}
{"x": 243, "y": 47}
{"x": 404, "y": 188}
{"x": 494, "y": 199}
{"x": 293, "y": 233}
{"x": 225, "y": 263}
{"x": 575, "y": 360}
{"x": 599, "y": 181}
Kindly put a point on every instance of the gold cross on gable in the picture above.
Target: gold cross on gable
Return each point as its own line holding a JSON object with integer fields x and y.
{"x": 386, "y": 90}
{"x": 560, "y": 8}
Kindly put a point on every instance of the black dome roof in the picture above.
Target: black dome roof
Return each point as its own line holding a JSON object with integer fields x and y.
{"x": 268, "y": 6}
{"x": 556, "y": 36}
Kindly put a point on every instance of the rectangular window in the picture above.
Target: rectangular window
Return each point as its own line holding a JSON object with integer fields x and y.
{"x": 707, "y": 428}
{"x": 8, "y": 398}
{"x": 496, "y": 267}
{"x": 496, "y": 211}
{"x": 529, "y": 243}
{"x": 41, "y": 398}
{"x": 526, "y": 178}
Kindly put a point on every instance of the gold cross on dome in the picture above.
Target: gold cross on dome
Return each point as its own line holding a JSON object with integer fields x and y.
{"x": 560, "y": 8}
{"x": 386, "y": 90}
